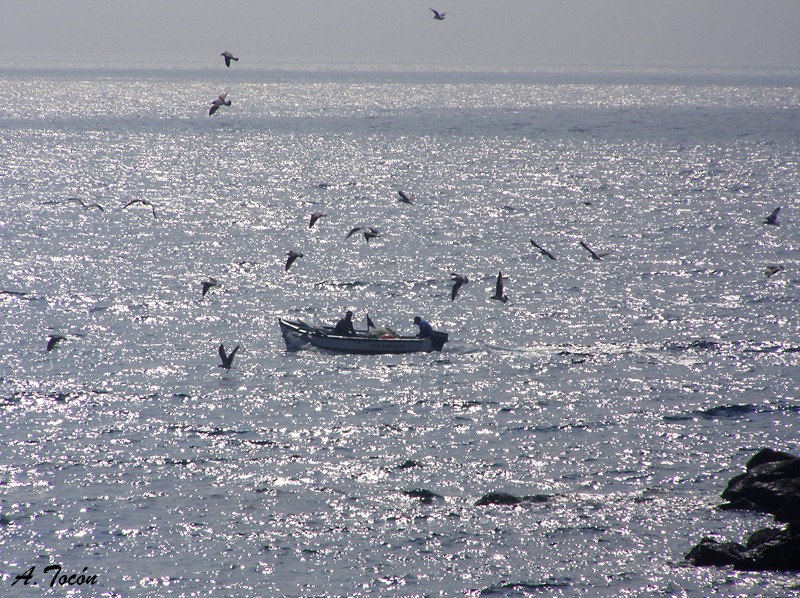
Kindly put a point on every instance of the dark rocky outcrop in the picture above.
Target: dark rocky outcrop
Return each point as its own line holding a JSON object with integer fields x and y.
{"x": 771, "y": 484}
{"x": 710, "y": 552}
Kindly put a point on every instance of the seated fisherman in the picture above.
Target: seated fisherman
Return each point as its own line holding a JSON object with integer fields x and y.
{"x": 344, "y": 327}
{"x": 425, "y": 329}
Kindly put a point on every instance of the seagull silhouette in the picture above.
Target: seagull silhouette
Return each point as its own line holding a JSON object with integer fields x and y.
{"x": 228, "y": 57}
{"x": 207, "y": 284}
{"x": 438, "y": 16}
{"x": 53, "y": 341}
{"x": 773, "y": 269}
{"x": 293, "y": 255}
{"x": 542, "y": 250}
{"x": 85, "y": 205}
{"x": 227, "y": 360}
{"x": 595, "y": 255}
{"x": 369, "y": 232}
{"x": 144, "y": 202}
{"x": 314, "y": 217}
{"x": 459, "y": 281}
{"x": 405, "y": 198}
{"x": 773, "y": 217}
{"x": 220, "y": 101}
{"x": 498, "y": 289}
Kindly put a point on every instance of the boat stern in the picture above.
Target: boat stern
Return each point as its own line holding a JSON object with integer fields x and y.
{"x": 438, "y": 339}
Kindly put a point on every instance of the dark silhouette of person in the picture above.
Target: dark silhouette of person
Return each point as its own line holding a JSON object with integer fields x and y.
{"x": 344, "y": 327}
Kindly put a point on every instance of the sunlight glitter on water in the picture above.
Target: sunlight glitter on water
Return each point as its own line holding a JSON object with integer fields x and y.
{"x": 626, "y": 390}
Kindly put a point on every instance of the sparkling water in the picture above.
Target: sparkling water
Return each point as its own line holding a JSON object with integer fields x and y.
{"x": 618, "y": 395}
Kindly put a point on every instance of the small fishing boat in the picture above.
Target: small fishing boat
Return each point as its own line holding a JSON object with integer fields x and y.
{"x": 296, "y": 334}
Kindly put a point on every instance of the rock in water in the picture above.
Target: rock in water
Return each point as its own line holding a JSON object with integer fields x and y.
{"x": 771, "y": 484}
{"x": 424, "y": 496}
{"x": 498, "y": 498}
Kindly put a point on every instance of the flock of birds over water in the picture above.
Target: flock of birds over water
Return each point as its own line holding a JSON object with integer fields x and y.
{"x": 368, "y": 232}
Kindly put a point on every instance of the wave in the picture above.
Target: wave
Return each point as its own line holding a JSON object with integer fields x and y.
{"x": 717, "y": 412}
{"x": 525, "y": 588}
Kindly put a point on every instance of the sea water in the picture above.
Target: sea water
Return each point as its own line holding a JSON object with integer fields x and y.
{"x": 620, "y": 394}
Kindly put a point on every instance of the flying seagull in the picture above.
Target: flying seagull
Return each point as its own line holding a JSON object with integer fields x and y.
{"x": 438, "y": 16}
{"x": 53, "y": 341}
{"x": 369, "y": 232}
{"x": 773, "y": 217}
{"x": 207, "y": 284}
{"x": 595, "y": 255}
{"x": 293, "y": 255}
{"x": 542, "y": 250}
{"x": 314, "y": 217}
{"x": 85, "y": 205}
{"x": 459, "y": 280}
{"x": 228, "y": 57}
{"x": 773, "y": 269}
{"x": 498, "y": 289}
{"x": 144, "y": 202}
{"x": 227, "y": 360}
{"x": 220, "y": 101}
{"x": 405, "y": 198}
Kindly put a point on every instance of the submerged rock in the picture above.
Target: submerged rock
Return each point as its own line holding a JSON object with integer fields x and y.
{"x": 504, "y": 498}
{"x": 424, "y": 496}
{"x": 498, "y": 498}
{"x": 409, "y": 463}
{"x": 771, "y": 484}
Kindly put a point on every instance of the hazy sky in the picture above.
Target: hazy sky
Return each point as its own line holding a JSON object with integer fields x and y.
{"x": 749, "y": 33}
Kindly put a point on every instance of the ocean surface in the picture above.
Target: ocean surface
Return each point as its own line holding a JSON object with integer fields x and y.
{"x": 618, "y": 395}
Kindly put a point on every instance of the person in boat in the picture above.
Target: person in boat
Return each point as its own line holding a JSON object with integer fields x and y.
{"x": 425, "y": 329}
{"x": 344, "y": 327}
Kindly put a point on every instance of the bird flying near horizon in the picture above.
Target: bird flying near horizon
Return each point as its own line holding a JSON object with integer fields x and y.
{"x": 220, "y": 101}
{"x": 85, "y": 205}
{"x": 594, "y": 255}
{"x": 53, "y": 341}
{"x": 772, "y": 270}
{"x": 228, "y": 57}
{"x": 77, "y": 200}
{"x": 314, "y": 217}
{"x": 293, "y": 255}
{"x": 498, "y": 289}
{"x": 369, "y": 232}
{"x": 405, "y": 198}
{"x": 227, "y": 360}
{"x": 207, "y": 284}
{"x": 773, "y": 217}
{"x": 542, "y": 250}
{"x": 144, "y": 202}
{"x": 459, "y": 281}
